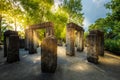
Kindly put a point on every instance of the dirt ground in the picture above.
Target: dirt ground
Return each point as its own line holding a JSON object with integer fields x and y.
{"x": 69, "y": 68}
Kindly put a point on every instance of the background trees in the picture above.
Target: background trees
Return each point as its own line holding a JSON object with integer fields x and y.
{"x": 111, "y": 26}
{"x": 19, "y": 14}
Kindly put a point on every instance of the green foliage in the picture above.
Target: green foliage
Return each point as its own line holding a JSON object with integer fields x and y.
{"x": 112, "y": 45}
{"x": 73, "y": 9}
{"x": 22, "y": 13}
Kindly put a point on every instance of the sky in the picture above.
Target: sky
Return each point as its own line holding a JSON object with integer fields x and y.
{"x": 92, "y": 9}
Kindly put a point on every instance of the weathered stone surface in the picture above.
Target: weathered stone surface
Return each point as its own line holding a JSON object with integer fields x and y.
{"x": 49, "y": 55}
{"x": 22, "y": 43}
{"x": 70, "y": 39}
{"x": 100, "y": 41}
{"x": 6, "y": 36}
{"x": 92, "y": 49}
{"x": 32, "y": 50}
{"x": 35, "y": 40}
{"x": 13, "y": 49}
{"x": 27, "y": 39}
{"x": 80, "y": 40}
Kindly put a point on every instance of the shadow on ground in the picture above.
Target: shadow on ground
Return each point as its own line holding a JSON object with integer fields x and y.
{"x": 69, "y": 68}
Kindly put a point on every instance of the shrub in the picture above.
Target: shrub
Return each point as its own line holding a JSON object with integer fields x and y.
{"x": 112, "y": 45}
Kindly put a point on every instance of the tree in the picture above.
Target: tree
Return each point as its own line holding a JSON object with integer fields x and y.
{"x": 110, "y": 25}
{"x": 73, "y": 9}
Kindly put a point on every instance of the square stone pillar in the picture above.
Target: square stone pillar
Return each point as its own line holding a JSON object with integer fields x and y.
{"x": 6, "y": 37}
{"x": 13, "y": 49}
{"x": 49, "y": 31}
{"x": 80, "y": 40}
{"x": 100, "y": 41}
{"x": 70, "y": 39}
{"x": 32, "y": 50}
{"x": 92, "y": 49}
{"x": 35, "y": 40}
{"x": 27, "y": 39}
{"x": 49, "y": 55}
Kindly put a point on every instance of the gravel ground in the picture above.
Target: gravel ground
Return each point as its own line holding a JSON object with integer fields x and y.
{"x": 69, "y": 68}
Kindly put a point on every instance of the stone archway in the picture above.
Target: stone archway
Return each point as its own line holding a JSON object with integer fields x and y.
{"x": 29, "y": 35}
{"x": 48, "y": 46}
{"x": 70, "y": 38}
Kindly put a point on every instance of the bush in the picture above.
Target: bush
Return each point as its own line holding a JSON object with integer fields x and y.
{"x": 112, "y": 45}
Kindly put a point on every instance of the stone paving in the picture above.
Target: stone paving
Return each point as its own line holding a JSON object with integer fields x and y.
{"x": 69, "y": 68}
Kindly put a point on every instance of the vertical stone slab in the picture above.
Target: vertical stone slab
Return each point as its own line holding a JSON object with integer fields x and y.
{"x": 35, "y": 40}
{"x": 5, "y": 46}
{"x": 31, "y": 42}
{"x": 13, "y": 49}
{"x": 49, "y": 31}
{"x": 92, "y": 49}
{"x": 49, "y": 55}
{"x": 70, "y": 39}
{"x": 6, "y": 36}
{"x": 100, "y": 41}
{"x": 22, "y": 43}
{"x": 26, "y": 39}
{"x": 80, "y": 42}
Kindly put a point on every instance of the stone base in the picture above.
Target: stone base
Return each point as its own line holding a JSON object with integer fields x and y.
{"x": 80, "y": 50}
{"x": 70, "y": 54}
{"x": 33, "y": 51}
{"x": 92, "y": 60}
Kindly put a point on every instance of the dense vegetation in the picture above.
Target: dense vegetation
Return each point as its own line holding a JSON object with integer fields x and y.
{"x": 19, "y": 14}
{"x": 110, "y": 26}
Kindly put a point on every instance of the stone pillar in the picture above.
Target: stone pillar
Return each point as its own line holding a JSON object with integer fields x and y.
{"x": 92, "y": 49}
{"x": 49, "y": 55}
{"x": 22, "y": 43}
{"x": 27, "y": 39}
{"x": 6, "y": 36}
{"x": 49, "y": 31}
{"x": 70, "y": 39}
{"x": 31, "y": 42}
{"x": 35, "y": 40}
{"x": 13, "y": 49}
{"x": 5, "y": 46}
{"x": 100, "y": 41}
{"x": 80, "y": 41}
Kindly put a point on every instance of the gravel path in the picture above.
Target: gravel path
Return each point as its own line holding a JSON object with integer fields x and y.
{"x": 69, "y": 68}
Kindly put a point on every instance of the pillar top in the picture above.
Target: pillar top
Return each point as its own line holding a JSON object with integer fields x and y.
{"x": 10, "y": 32}
{"x": 98, "y": 32}
{"x": 41, "y": 25}
{"x": 75, "y": 26}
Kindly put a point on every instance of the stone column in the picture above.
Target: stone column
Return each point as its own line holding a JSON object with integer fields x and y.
{"x": 49, "y": 55}
{"x": 13, "y": 49}
{"x": 26, "y": 39}
{"x": 92, "y": 49}
{"x": 35, "y": 41}
{"x": 49, "y": 31}
{"x": 70, "y": 39}
{"x": 31, "y": 42}
{"x": 6, "y": 36}
{"x": 22, "y": 43}
{"x": 100, "y": 41}
{"x": 101, "y": 52}
{"x": 80, "y": 42}
{"x": 5, "y": 46}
